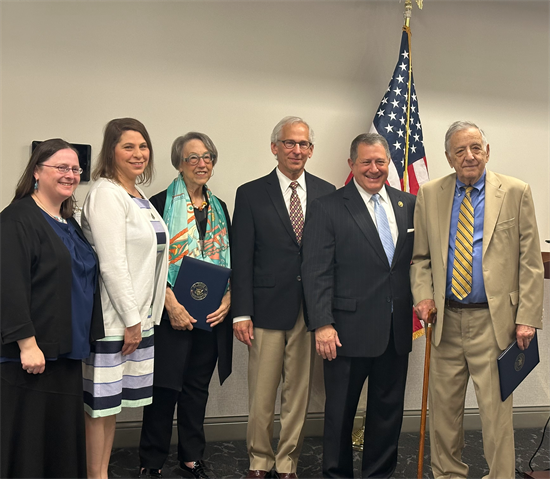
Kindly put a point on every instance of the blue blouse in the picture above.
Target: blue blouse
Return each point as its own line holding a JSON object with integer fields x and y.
{"x": 84, "y": 271}
{"x": 82, "y": 292}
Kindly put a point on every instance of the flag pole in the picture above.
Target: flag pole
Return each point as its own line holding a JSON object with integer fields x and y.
{"x": 408, "y": 12}
{"x": 358, "y": 436}
{"x": 407, "y": 27}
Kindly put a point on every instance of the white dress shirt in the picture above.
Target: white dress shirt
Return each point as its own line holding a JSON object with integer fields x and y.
{"x": 386, "y": 204}
{"x": 286, "y": 190}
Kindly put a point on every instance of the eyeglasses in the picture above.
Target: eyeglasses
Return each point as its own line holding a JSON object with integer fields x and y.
{"x": 194, "y": 158}
{"x": 289, "y": 144}
{"x": 63, "y": 169}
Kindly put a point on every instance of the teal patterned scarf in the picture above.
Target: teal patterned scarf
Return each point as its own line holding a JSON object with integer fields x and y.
{"x": 179, "y": 216}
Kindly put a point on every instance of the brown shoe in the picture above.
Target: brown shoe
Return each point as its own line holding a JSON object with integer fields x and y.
{"x": 256, "y": 474}
{"x": 287, "y": 475}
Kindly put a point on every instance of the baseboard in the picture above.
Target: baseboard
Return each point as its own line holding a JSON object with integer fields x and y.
{"x": 524, "y": 418}
{"x": 234, "y": 428}
{"x": 231, "y": 428}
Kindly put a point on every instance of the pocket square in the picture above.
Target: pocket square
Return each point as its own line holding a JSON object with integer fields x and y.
{"x": 410, "y": 230}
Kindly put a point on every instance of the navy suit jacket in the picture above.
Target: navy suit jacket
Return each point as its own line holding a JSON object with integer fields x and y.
{"x": 266, "y": 281}
{"x": 347, "y": 279}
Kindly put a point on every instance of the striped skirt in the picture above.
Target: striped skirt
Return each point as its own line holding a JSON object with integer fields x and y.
{"x": 113, "y": 381}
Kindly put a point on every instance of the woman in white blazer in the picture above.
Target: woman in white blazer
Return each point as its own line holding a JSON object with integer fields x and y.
{"x": 130, "y": 239}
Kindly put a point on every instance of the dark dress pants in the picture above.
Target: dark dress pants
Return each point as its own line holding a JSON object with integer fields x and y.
{"x": 200, "y": 356}
{"x": 344, "y": 379}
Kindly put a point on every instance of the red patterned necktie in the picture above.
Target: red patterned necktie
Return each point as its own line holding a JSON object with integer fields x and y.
{"x": 296, "y": 213}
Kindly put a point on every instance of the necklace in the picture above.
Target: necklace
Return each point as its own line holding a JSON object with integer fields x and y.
{"x": 59, "y": 219}
{"x": 131, "y": 193}
{"x": 202, "y": 206}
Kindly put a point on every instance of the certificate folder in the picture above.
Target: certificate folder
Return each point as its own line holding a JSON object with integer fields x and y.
{"x": 200, "y": 287}
{"x": 514, "y": 365}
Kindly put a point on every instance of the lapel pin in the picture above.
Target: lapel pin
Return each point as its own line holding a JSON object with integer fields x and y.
{"x": 400, "y": 204}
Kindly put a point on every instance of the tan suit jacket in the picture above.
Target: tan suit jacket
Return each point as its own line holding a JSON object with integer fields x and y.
{"x": 512, "y": 263}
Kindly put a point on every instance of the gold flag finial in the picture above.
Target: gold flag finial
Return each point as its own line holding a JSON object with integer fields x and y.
{"x": 408, "y": 10}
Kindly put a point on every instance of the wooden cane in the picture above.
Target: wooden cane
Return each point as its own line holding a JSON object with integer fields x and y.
{"x": 430, "y": 321}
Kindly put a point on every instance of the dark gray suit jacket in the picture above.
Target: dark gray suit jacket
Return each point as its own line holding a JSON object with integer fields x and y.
{"x": 347, "y": 279}
{"x": 266, "y": 258}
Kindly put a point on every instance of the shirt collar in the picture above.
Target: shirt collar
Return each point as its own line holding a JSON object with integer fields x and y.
{"x": 478, "y": 185}
{"x": 367, "y": 196}
{"x": 285, "y": 181}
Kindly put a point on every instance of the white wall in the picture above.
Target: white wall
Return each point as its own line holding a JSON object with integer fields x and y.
{"x": 233, "y": 69}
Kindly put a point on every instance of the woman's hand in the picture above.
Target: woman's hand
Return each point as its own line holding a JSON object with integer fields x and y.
{"x": 32, "y": 357}
{"x": 179, "y": 317}
{"x": 219, "y": 315}
{"x": 132, "y": 338}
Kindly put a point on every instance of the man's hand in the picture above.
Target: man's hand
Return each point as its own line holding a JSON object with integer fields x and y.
{"x": 524, "y": 334}
{"x": 219, "y": 315}
{"x": 326, "y": 340}
{"x": 244, "y": 331}
{"x": 423, "y": 308}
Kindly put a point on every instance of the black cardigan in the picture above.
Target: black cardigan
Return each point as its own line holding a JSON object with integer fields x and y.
{"x": 224, "y": 331}
{"x": 35, "y": 283}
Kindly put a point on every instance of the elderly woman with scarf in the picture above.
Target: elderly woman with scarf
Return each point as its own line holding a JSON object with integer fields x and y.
{"x": 185, "y": 357}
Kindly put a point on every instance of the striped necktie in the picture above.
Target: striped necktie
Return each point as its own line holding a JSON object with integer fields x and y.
{"x": 296, "y": 213}
{"x": 383, "y": 227}
{"x": 461, "y": 284}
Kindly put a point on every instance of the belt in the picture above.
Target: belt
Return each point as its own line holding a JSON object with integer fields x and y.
{"x": 449, "y": 303}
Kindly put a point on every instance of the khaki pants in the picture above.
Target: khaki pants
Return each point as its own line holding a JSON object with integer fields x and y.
{"x": 468, "y": 348}
{"x": 275, "y": 354}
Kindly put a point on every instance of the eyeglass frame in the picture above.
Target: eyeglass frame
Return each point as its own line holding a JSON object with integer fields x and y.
{"x": 200, "y": 157}
{"x": 63, "y": 169}
{"x": 301, "y": 144}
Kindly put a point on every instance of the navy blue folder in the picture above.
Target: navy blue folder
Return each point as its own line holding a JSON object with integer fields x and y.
{"x": 200, "y": 287}
{"x": 514, "y": 365}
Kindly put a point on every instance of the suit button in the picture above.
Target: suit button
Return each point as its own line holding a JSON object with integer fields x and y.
{"x": 299, "y": 278}
{"x": 388, "y": 299}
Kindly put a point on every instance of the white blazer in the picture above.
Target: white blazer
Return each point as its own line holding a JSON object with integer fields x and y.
{"x": 133, "y": 279}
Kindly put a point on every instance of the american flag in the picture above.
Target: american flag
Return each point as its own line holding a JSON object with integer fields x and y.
{"x": 397, "y": 119}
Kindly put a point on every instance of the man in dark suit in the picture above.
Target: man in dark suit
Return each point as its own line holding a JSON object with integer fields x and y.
{"x": 267, "y": 297}
{"x": 357, "y": 250}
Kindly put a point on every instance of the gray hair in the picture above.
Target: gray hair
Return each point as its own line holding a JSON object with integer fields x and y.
{"x": 180, "y": 141}
{"x": 290, "y": 120}
{"x": 463, "y": 125}
{"x": 368, "y": 139}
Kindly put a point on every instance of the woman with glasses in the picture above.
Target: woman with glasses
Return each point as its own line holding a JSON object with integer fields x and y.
{"x": 129, "y": 237}
{"x": 49, "y": 316}
{"x": 198, "y": 223}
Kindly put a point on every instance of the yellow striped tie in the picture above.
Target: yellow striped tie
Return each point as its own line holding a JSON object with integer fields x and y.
{"x": 461, "y": 283}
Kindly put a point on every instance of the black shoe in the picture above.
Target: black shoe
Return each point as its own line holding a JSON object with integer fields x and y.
{"x": 197, "y": 471}
{"x": 144, "y": 473}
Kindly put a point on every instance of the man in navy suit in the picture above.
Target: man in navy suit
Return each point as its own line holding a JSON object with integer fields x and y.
{"x": 267, "y": 297}
{"x": 357, "y": 250}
